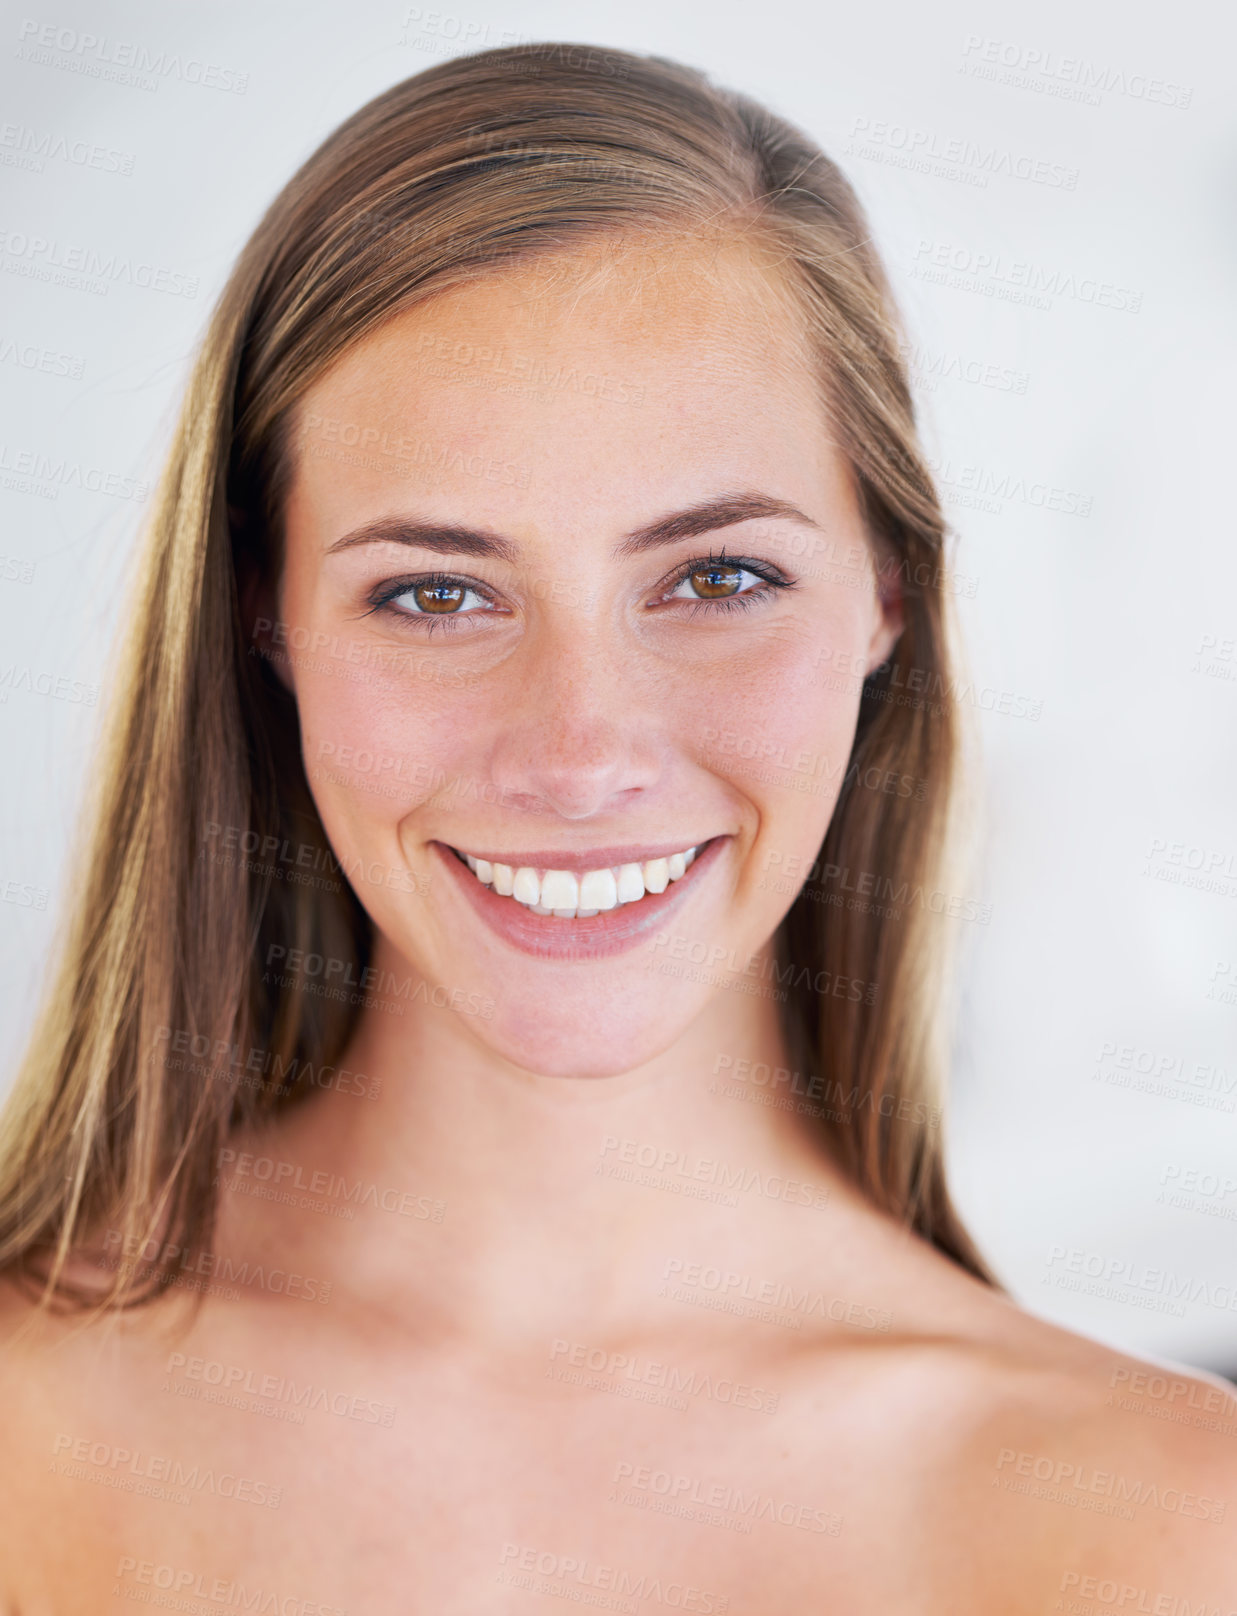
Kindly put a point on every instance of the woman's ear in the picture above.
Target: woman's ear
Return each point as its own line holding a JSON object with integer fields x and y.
{"x": 258, "y": 596}
{"x": 889, "y": 615}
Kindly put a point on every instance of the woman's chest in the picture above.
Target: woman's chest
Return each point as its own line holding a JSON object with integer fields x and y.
{"x": 222, "y": 1485}
{"x": 298, "y": 1474}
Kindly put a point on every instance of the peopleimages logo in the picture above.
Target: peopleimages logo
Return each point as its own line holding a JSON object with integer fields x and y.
{"x": 931, "y": 368}
{"x": 127, "y": 1469}
{"x": 149, "y": 1258}
{"x": 680, "y": 1277}
{"x": 560, "y": 1570}
{"x": 84, "y": 268}
{"x": 881, "y": 140}
{"x": 57, "y": 472}
{"x": 183, "y": 1582}
{"x": 1073, "y": 1482}
{"x": 697, "y": 1497}
{"x": 1015, "y": 280}
{"x": 42, "y": 683}
{"x": 121, "y": 61}
{"x": 623, "y": 1369}
{"x": 48, "y": 361}
{"x": 790, "y": 974}
{"x": 287, "y": 1176}
{"x": 189, "y": 1372}
{"x": 1103, "y": 1275}
{"x": 1029, "y": 67}
{"x": 666, "y": 1167}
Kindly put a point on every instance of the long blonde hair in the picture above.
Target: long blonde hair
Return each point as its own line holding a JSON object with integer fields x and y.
{"x": 477, "y": 163}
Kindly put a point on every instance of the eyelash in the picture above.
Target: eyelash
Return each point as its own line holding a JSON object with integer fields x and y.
{"x": 381, "y": 600}
{"x": 745, "y": 600}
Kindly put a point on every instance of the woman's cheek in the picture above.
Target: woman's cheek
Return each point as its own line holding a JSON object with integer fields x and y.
{"x": 375, "y": 745}
{"x": 785, "y": 746}
{"x": 779, "y": 726}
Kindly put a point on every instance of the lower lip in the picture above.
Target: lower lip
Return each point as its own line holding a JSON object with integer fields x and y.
{"x": 597, "y": 937}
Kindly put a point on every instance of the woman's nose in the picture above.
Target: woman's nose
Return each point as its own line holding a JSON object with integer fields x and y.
{"x": 573, "y": 736}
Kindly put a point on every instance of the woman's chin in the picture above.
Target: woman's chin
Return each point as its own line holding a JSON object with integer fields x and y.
{"x": 585, "y": 1044}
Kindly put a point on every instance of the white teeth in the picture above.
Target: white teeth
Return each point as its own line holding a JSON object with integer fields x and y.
{"x": 630, "y": 883}
{"x": 560, "y": 890}
{"x": 570, "y": 897}
{"x": 525, "y": 888}
{"x": 657, "y": 875}
{"x": 598, "y": 890}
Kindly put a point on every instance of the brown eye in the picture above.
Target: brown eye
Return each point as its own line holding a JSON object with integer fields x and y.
{"x": 718, "y": 581}
{"x": 713, "y": 583}
{"x": 438, "y": 595}
{"x": 438, "y": 598}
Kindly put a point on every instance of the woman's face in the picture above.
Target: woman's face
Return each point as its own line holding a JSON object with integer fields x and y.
{"x": 572, "y": 567}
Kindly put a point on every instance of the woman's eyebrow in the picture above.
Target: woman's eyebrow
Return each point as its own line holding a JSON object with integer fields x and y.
{"x": 449, "y": 539}
{"x": 723, "y": 511}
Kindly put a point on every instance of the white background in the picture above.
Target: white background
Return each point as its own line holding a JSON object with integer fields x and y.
{"x": 1102, "y": 618}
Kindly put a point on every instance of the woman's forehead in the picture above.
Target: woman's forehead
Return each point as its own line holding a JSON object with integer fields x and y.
{"x": 544, "y": 390}
{"x": 702, "y": 300}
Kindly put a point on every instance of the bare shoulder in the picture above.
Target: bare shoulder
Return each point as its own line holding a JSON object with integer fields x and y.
{"x": 46, "y": 1359}
{"x": 28, "y": 1372}
{"x": 62, "y": 1372}
{"x": 1021, "y": 1466}
{"x": 1098, "y": 1473}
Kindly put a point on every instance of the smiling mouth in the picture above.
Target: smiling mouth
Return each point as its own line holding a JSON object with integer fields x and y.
{"x": 572, "y": 895}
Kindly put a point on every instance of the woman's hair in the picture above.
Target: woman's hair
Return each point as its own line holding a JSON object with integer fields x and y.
{"x": 184, "y": 1006}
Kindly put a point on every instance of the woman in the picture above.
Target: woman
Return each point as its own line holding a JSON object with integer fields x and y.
{"x": 483, "y": 1147}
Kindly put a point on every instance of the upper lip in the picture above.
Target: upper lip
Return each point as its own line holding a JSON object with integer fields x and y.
{"x": 594, "y": 858}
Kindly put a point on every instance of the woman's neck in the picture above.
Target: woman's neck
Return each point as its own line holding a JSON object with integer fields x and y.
{"x": 502, "y": 1204}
